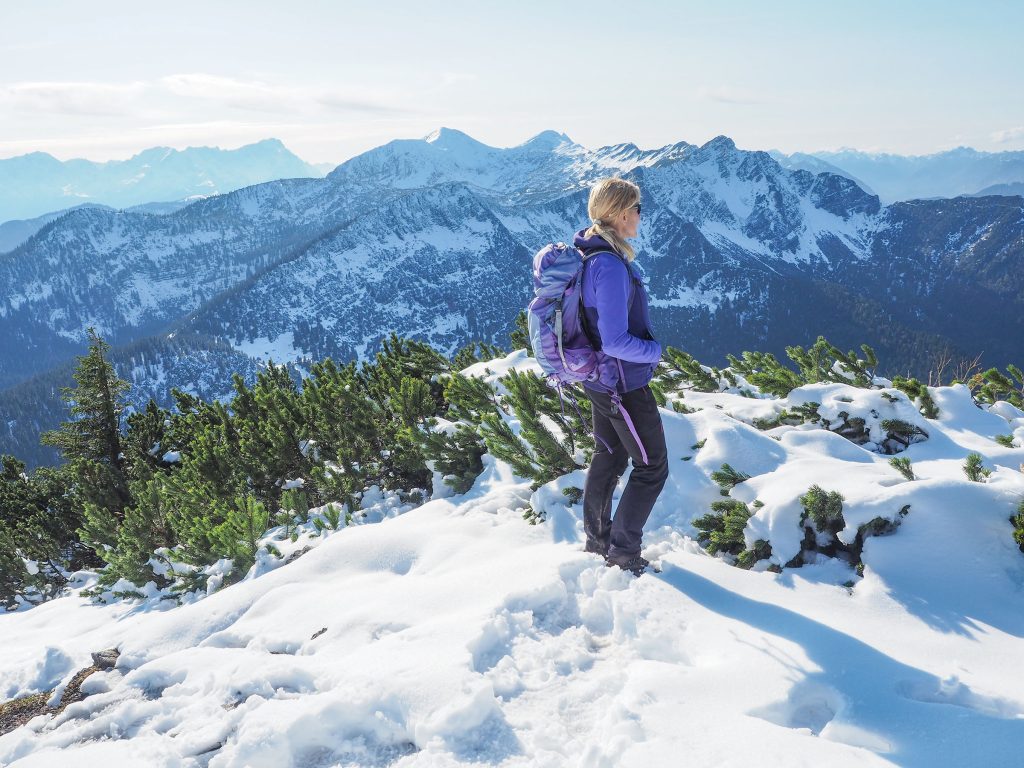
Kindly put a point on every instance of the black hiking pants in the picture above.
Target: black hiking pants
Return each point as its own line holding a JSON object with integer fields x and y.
{"x": 629, "y": 429}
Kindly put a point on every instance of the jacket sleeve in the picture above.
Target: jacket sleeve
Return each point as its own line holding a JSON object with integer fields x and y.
{"x": 611, "y": 287}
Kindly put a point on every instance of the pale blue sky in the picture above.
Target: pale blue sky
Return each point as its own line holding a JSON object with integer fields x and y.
{"x": 104, "y": 80}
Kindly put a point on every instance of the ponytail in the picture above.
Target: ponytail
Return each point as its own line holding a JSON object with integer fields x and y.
{"x": 608, "y": 199}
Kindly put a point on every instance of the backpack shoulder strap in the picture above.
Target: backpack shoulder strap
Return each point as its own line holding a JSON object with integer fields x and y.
{"x": 588, "y": 256}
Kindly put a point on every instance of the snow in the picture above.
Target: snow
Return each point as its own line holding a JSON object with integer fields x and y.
{"x": 281, "y": 349}
{"x": 454, "y": 633}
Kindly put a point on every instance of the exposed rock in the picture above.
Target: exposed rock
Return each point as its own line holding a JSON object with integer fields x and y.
{"x": 106, "y": 659}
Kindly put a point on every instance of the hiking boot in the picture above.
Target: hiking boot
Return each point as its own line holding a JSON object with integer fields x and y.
{"x": 596, "y": 548}
{"x": 636, "y": 565}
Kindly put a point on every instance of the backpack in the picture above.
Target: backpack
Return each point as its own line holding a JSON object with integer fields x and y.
{"x": 556, "y": 323}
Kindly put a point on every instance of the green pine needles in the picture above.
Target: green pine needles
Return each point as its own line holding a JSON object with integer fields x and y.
{"x": 919, "y": 394}
{"x": 544, "y": 445}
{"x": 1018, "y": 525}
{"x": 722, "y": 532}
{"x": 903, "y": 466}
{"x": 974, "y": 469}
{"x": 680, "y": 371}
{"x": 824, "y": 509}
{"x": 162, "y": 494}
{"x": 728, "y": 478}
{"x": 992, "y": 385}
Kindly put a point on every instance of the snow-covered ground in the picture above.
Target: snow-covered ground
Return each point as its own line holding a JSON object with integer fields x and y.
{"x": 456, "y": 634}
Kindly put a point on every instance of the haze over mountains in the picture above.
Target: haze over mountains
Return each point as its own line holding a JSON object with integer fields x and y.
{"x": 36, "y": 184}
{"x": 432, "y": 238}
{"x": 960, "y": 171}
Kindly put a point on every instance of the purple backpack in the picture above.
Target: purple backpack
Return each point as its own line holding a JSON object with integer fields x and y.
{"x": 555, "y": 319}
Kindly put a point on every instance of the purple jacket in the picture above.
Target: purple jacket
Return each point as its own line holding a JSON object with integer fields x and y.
{"x": 615, "y": 307}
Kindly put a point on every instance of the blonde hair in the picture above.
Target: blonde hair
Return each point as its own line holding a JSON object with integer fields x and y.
{"x": 609, "y": 198}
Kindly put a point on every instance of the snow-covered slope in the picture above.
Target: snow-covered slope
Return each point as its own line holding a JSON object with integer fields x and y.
{"x": 456, "y": 634}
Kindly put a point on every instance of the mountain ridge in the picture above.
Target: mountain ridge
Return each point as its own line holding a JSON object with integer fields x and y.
{"x": 740, "y": 252}
{"x": 34, "y": 184}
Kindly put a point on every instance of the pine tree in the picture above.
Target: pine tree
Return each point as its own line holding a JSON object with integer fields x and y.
{"x": 267, "y": 420}
{"x": 457, "y": 456}
{"x": 91, "y": 443}
{"x": 144, "y": 442}
{"x": 469, "y": 399}
{"x": 900, "y": 434}
{"x": 401, "y": 405}
{"x": 144, "y": 530}
{"x": 342, "y": 427}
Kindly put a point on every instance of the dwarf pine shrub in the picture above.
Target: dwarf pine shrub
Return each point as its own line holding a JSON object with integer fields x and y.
{"x": 992, "y": 385}
{"x": 903, "y": 466}
{"x": 680, "y": 371}
{"x": 728, "y": 478}
{"x": 824, "y": 509}
{"x": 974, "y": 469}
{"x": 920, "y": 394}
{"x": 722, "y": 530}
{"x": 761, "y": 550}
{"x": 765, "y": 372}
{"x": 545, "y": 447}
{"x": 900, "y": 434}
{"x": 573, "y": 494}
{"x": 457, "y": 456}
{"x": 1018, "y": 526}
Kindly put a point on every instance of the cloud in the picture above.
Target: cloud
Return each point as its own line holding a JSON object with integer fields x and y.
{"x": 258, "y": 96}
{"x": 1008, "y": 135}
{"x": 73, "y": 98}
{"x": 249, "y": 95}
{"x": 191, "y": 93}
{"x": 727, "y": 94}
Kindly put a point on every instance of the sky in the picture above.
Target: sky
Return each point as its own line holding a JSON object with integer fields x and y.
{"x": 106, "y": 79}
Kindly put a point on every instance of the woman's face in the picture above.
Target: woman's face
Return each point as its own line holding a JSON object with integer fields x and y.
{"x": 628, "y": 222}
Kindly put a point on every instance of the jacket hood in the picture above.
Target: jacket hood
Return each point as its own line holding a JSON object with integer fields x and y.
{"x": 592, "y": 243}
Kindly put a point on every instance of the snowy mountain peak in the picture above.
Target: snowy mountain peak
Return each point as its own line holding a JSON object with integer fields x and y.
{"x": 547, "y": 140}
{"x": 451, "y": 140}
{"x": 721, "y": 144}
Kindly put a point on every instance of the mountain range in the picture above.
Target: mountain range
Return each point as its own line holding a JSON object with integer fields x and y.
{"x": 432, "y": 239}
{"x": 960, "y": 171}
{"x": 38, "y": 183}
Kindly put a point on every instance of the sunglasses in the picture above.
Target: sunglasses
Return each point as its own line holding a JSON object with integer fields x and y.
{"x": 637, "y": 206}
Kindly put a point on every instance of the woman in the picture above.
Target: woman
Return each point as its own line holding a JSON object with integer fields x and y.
{"x": 627, "y": 423}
